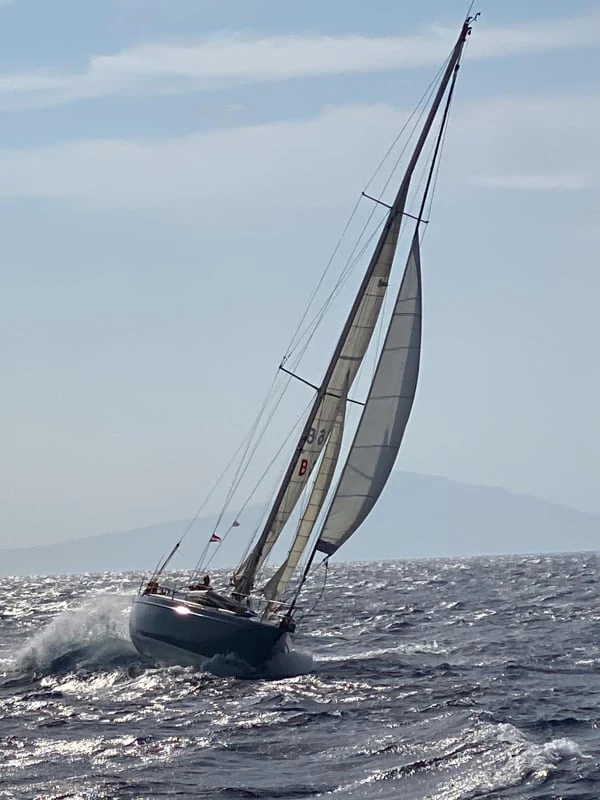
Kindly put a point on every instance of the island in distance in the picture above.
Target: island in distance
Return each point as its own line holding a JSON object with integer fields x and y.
{"x": 418, "y": 516}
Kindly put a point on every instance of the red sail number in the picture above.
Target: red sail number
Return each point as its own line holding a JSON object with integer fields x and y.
{"x": 303, "y": 466}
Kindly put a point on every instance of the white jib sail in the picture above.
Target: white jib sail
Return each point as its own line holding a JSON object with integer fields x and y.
{"x": 385, "y": 415}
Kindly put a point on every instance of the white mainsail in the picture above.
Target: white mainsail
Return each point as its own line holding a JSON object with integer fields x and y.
{"x": 386, "y": 412}
{"x": 343, "y": 368}
{"x": 277, "y": 585}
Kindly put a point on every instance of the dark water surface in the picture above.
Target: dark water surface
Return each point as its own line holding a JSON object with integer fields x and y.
{"x": 446, "y": 679}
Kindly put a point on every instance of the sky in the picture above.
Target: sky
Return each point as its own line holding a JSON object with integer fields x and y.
{"x": 173, "y": 178}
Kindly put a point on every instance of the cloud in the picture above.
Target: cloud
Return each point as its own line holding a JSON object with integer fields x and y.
{"x": 512, "y": 142}
{"x": 254, "y": 163}
{"x": 535, "y": 37}
{"x": 532, "y": 182}
{"x": 225, "y": 60}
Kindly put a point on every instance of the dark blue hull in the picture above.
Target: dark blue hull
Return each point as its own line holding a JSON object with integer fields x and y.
{"x": 176, "y": 631}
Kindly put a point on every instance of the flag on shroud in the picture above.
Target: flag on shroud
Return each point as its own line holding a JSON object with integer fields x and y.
{"x": 235, "y": 524}
{"x": 215, "y": 538}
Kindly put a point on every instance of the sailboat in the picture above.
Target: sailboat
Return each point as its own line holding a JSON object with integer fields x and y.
{"x": 195, "y": 622}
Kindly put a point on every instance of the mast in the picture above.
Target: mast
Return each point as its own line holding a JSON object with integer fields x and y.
{"x": 408, "y": 304}
{"x": 244, "y": 581}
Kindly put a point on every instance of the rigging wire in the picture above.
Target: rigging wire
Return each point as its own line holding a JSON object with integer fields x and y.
{"x": 348, "y": 269}
{"x": 199, "y": 510}
{"x": 253, "y": 492}
{"x": 416, "y": 124}
{"x": 352, "y": 258}
{"x": 243, "y": 468}
{"x": 317, "y": 319}
{"x": 423, "y": 100}
{"x": 277, "y": 454}
{"x": 380, "y": 327}
{"x": 249, "y": 449}
{"x": 442, "y": 137}
{"x": 351, "y": 262}
{"x": 246, "y": 459}
{"x": 322, "y": 591}
{"x": 431, "y": 173}
{"x": 388, "y": 301}
{"x": 302, "y": 505}
{"x": 245, "y": 441}
{"x": 321, "y": 279}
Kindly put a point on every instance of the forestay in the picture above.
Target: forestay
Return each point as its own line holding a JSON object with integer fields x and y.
{"x": 386, "y": 412}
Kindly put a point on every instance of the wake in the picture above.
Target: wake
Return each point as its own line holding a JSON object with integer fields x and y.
{"x": 287, "y": 664}
{"x": 94, "y": 637}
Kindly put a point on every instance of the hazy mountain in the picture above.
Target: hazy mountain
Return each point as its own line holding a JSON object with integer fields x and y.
{"x": 418, "y": 516}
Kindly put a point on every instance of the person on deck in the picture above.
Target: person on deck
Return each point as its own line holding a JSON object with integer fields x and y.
{"x": 204, "y": 586}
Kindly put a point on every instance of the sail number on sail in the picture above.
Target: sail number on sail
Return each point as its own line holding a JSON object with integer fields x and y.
{"x": 318, "y": 435}
{"x": 314, "y": 436}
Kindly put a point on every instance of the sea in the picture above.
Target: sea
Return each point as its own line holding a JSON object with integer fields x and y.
{"x": 443, "y": 678}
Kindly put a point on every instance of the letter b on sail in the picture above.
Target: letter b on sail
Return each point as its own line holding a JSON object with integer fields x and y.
{"x": 303, "y": 466}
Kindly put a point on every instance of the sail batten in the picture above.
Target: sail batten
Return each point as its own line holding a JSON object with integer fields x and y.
{"x": 382, "y": 424}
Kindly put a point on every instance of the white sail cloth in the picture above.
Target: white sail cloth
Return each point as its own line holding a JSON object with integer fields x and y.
{"x": 277, "y": 585}
{"x": 344, "y": 369}
{"x": 365, "y": 477}
{"x": 386, "y": 412}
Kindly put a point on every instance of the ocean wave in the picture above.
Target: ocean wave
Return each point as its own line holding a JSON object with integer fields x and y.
{"x": 92, "y": 636}
{"x": 502, "y": 704}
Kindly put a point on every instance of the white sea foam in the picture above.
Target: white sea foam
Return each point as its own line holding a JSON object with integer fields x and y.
{"x": 289, "y": 664}
{"x": 286, "y": 664}
{"x": 488, "y": 758}
{"x": 510, "y": 759}
{"x": 94, "y": 633}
